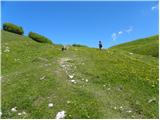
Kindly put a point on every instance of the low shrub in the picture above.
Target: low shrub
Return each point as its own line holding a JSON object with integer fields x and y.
{"x": 78, "y": 45}
{"x": 13, "y": 28}
{"x": 39, "y": 38}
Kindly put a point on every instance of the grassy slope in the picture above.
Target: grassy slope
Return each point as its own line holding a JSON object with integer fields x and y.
{"x": 115, "y": 79}
{"x": 145, "y": 46}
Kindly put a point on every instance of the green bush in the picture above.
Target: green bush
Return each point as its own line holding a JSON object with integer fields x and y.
{"x": 79, "y": 45}
{"x": 13, "y": 28}
{"x": 39, "y": 38}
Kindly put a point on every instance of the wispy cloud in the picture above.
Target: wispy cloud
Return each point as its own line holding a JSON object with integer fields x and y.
{"x": 114, "y": 36}
{"x": 117, "y": 34}
{"x": 154, "y": 7}
{"x": 130, "y": 29}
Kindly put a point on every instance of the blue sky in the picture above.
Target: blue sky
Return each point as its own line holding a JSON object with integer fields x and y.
{"x": 85, "y": 22}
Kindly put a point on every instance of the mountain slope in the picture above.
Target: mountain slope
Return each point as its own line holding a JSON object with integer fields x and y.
{"x": 145, "y": 46}
{"x": 106, "y": 84}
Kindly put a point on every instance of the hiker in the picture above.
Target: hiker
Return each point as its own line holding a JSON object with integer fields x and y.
{"x": 64, "y": 48}
{"x": 100, "y": 45}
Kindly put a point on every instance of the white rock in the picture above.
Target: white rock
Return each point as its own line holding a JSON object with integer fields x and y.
{"x": 108, "y": 88}
{"x": 71, "y": 76}
{"x": 129, "y": 111}
{"x": 19, "y": 114}
{"x": 73, "y": 81}
{"x": 68, "y": 102}
{"x": 152, "y": 100}
{"x": 120, "y": 107}
{"x": 42, "y": 78}
{"x": 50, "y": 105}
{"x": 14, "y": 109}
{"x": 23, "y": 112}
{"x": 60, "y": 115}
{"x": 115, "y": 107}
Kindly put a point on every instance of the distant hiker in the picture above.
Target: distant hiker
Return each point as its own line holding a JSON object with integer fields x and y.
{"x": 100, "y": 45}
{"x": 64, "y": 48}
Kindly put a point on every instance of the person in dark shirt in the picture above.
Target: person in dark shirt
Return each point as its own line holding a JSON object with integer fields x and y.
{"x": 100, "y": 45}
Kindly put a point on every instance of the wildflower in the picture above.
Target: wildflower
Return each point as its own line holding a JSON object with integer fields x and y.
{"x": 86, "y": 80}
{"x": 60, "y": 115}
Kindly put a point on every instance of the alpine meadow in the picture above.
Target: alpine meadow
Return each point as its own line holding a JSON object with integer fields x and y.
{"x": 43, "y": 79}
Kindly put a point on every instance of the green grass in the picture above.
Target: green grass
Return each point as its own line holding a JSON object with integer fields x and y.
{"x": 145, "y": 46}
{"x": 115, "y": 78}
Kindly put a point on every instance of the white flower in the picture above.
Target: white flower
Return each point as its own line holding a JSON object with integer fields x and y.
{"x": 60, "y": 115}
{"x": 14, "y": 109}
{"x": 19, "y": 114}
{"x": 86, "y": 80}
{"x": 71, "y": 76}
{"x": 50, "y": 105}
{"x": 130, "y": 53}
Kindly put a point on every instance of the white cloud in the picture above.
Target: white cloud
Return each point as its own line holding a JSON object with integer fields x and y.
{"x": 130, "y": 29}
{"x": 154, "y": 7}
{"x": 116, "y": 35}
{"x": 120, "y": 32}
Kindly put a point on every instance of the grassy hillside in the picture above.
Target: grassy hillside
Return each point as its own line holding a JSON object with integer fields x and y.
{"x": 145, "y": 46}
{"x": 106, "y": 84}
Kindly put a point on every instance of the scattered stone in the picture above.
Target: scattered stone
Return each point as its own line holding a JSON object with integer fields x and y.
{"x": 152, "y": 100}
{"x": 24, "y": 113}
{"x": 60, "y": 115}
{"x": 50, "y": 105}
{"x": 121, "y": 107}
{"x": 73, "y": 81}
{"x": 42, "y": 78}
{"x": 115, "y": 108}
{"x": 129, "y": 111}
{"x": 14, "y": 109}
{"x": 108, "y": 88}
{"x": 71, "y": 76}
{"x": 19, "y": 114}
{"x": 68, "y": 102}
